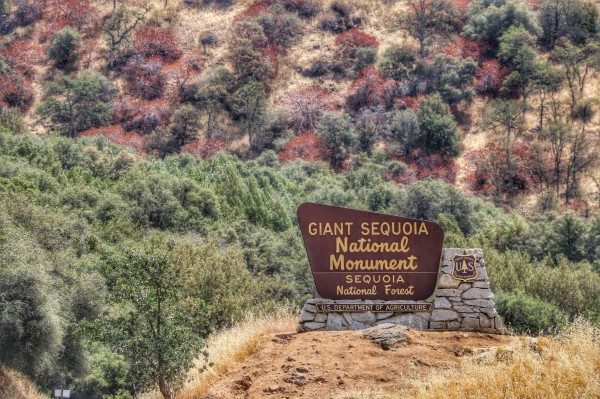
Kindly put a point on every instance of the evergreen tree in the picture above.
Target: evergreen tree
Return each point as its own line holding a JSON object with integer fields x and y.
{"x": 76, "y": 104}
{"x": 63, "y": 48}
{"x": 437, "y": 128}
{"x": 337, "y": 132}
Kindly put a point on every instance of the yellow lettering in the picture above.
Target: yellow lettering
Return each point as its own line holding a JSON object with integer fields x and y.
{"x": 364, "y": 227}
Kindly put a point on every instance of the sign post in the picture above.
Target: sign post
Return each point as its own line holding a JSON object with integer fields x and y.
{"x": 371, "y": 269}
{"x": 62, "y": 393}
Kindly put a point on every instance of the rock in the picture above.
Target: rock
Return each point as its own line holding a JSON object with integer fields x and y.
{"x": 437, "y": 325}
{"x": 447, "y": 292}
{"x": 465, "y": 286}
{"x": 273, "y": 389}
{"x": 470, "y": 324}
{"x": 357, "y": 325}
{"x": 383, "y": 315}
{"x": 310, "y": 308}
{"x": 315, "y": 301}
{"x": 464, "y": 309}
{"x": 312, "y": 326}
{"x": 481, "y": 284}
{"x": 447, "y": 270}
{"x": 482, "y": 303}
{"x": 321, "y": 317}
{"x": 447, "y": 281}
{"x": 306, "y": 316}
{"x": 244, "y": 383}
{"x": 443, "y": 315}
{"x": 498, "y": 325}
{"x": 408, "y": 320}
{"x": 300, "y": 328}
{"x": 441, "y": 303}
{"x": 484, "y": 321}
{"x": 364, "y": 317}
{"x": 478, "y": 293}
{"x": 348, "y": 317}
{"x": 423, "y": 315}
{"x": 453, "y": 325}
{"x": 482, "y": 274}
{"x": 302, "y": 369}
{"x": 335, "y": 322}
{"x": 448, "y": 253}
{"x": 387, "y": 335}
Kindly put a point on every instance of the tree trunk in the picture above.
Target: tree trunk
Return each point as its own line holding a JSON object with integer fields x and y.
{"x": 164, "y": 389}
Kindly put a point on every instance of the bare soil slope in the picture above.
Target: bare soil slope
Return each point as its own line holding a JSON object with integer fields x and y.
{"x": 328, "y": 364}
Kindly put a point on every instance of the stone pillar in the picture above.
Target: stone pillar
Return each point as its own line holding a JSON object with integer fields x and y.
{"x": 457, "y": 305}
{"x": 464, "y": 305}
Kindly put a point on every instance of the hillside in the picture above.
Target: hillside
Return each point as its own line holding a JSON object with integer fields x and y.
{"x": 265, "y": 81}
{"x": 153, "y": 155}
{"x": 327, "y": 364}
{"x": 350, "y": 364}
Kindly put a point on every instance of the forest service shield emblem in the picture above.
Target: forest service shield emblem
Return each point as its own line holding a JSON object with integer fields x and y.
{"x": 464, "y": 267}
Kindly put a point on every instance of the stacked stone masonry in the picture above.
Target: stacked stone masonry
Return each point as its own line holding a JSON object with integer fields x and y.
{"x": 457, "y": 305}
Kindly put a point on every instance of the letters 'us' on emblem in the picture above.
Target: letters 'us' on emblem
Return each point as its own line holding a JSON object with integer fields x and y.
{"x": 464, "y": 267}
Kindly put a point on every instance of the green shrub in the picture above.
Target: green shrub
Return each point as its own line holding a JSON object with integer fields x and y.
{"x": 63, "y": 48}
{"x": 364, "y": 56}
{"x": 527, "y": 314}
{"x": 398, "y": 62}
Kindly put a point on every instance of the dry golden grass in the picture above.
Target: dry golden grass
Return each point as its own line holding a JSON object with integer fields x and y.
{"x": 229, "y": 348}
{"x": 566, "y": 367}
{"x": 15, "y": 386}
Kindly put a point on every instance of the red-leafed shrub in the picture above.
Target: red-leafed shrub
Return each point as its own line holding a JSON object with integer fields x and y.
{"x": 408, "y": 102}
{"x": 350, "y": 40}
{"x": 371, "y": 90}
{"x": 491, "y": 173}
{"x": 22, "y": 55}
{"x": 461, "y": 47}
{"x": 461, "y": 5}
{"x": 256, "y": 8}
{"x": 356, "y": 38}
{"x": 307, "y": 105}
{"x": 489, "y": 76}
{"x": 116, "y": 134}
{"x": 205, "y": 147}
{"x": 78, "y": 14}
{"x": 271, "y": 54}
{"x": 15, "y": 91}
{"x": 581, "y": 207}
{"x": 142, "y": 116}
{"x": 306, "y": 146}
{"x": 157, "y": 42}
{"x": 181, "y": 71}
{"x": 422, "y": 166}
{"x": 143, "y": 78}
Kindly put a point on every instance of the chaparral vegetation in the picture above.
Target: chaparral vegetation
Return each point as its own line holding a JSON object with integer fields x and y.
{"x": 153, "y": 155}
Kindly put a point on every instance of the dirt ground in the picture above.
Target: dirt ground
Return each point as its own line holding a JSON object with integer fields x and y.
{"x": 325, "y": 364}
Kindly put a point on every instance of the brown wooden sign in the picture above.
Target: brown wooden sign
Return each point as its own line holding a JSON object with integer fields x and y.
{"x": 364, "y": 255}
